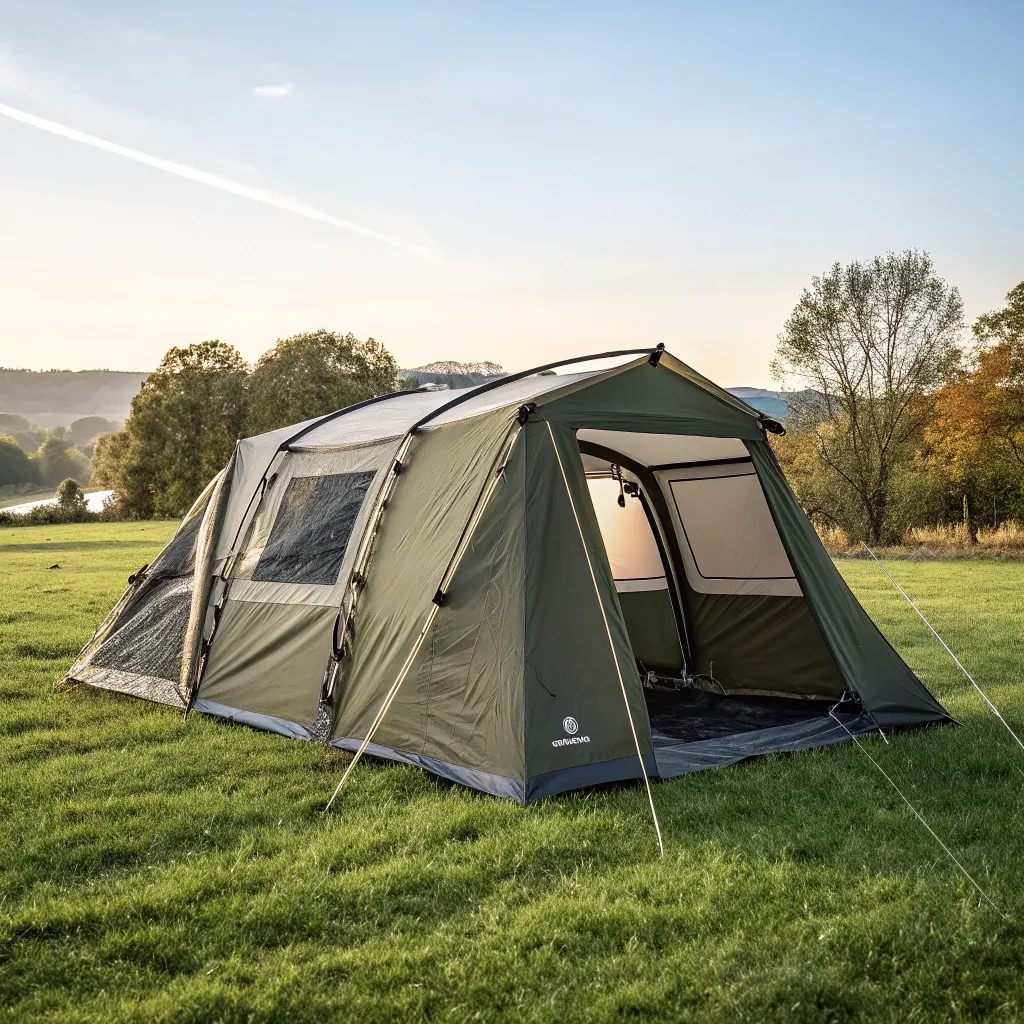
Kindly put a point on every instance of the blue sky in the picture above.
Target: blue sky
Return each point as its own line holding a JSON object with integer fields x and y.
{"x": 560, "y": 178}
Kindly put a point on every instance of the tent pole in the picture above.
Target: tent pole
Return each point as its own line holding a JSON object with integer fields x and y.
{"x": 364, "y": 552}
{"x": 970, "y": 678}
{"x": 482, "y": 502}
{"x": 615, "y": 656}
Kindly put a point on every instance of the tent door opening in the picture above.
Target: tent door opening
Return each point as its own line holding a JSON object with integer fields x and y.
{"x": 685, "y": 703}
{"x": 643, "y": 579}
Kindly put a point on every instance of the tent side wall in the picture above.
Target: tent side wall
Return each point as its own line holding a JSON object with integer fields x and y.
{"x": 287, "y": 579}
{"x": 138, "y": 648}
{"x": 884, "y": 682}
{"x": 459, "y": 710}
{"x": 578, "y": 655}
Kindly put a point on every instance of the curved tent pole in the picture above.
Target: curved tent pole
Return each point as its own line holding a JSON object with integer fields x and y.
{"x": 288, "y": 442}
{"x": 511, "y": 378}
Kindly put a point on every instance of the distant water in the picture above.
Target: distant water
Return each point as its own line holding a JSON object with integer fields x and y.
{"x": 93, "y": 500}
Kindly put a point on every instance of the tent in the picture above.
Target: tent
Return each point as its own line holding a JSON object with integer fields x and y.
{"x": 547, "y": 582}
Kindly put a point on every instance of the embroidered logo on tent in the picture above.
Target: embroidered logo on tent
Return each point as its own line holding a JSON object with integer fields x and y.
{"x": 571, "y": 726}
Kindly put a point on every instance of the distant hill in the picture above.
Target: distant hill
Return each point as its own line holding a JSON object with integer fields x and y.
{"x": 772, "y": 403}
{"x": 54, "y": 398}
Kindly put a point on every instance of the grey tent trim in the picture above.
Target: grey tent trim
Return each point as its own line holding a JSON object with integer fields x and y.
{"x": 486, "y": 782}
{"x": 534, "y": 639}
{"x": 267, "y": 723}
{"x": 686, "y": 758}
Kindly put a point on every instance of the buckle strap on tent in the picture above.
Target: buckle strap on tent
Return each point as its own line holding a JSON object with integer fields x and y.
{"x": 656, "y": 355}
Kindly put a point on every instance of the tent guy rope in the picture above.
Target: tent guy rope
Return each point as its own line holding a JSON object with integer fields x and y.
{"x": 615, "y": 656}
{"x": 970, "y": 678}
{"x": 917, "y": 814}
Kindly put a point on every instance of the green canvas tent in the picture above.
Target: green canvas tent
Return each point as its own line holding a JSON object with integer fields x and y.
{"x": 543, "y": 583}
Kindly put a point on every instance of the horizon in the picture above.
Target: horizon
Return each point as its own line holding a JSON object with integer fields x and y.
{"x": 505, "y": 184}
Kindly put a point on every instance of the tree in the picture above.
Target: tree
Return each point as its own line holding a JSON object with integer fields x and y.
{"x": 313, "y": 374}
{"x": 874, "y": 341}
{"x": 70, "y": 498}
{"x": 976, "y": 438}
{"x": 57, "y": 459}
{"x": 180, "y": 432}
{"x": 13, "y": 423}
{"x": 15, "y": 465}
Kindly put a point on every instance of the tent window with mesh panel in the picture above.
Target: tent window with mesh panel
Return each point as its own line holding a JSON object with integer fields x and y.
{"x": 312, "y": 529}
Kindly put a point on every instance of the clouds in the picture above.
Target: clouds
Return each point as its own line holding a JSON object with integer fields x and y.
{"x": 258, "y": 195}
{"x": 274, "y": 92}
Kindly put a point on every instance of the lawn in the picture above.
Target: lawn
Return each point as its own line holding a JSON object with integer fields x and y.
{"x": 154, "y": 871}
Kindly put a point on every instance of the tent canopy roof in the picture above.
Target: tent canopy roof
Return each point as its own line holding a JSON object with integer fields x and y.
{"x": 395, "y": 415}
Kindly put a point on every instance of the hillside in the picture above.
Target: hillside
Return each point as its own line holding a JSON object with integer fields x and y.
{"x": 57, "y": 397}
{"x": 52, "y": 398}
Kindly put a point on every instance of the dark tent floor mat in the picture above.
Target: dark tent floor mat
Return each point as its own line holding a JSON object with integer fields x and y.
{"x": 686, "y": 716}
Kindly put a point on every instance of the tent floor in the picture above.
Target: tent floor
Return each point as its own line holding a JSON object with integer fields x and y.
{"x": 688, "y": 716}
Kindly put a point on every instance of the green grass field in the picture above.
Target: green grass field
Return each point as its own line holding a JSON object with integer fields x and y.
{"x": 155, "y": 871}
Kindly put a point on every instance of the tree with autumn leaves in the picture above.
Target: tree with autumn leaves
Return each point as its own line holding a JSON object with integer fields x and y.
{"x": 974, "y": 443}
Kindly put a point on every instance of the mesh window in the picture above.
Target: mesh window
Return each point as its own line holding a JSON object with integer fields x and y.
{"x": 730, "y": 529}
{"x": 149, "y": 637}
{"x": 312, "y": 529}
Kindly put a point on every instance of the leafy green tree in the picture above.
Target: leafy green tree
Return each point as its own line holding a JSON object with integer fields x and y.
{"x": 15, "y": 465}
{"x": 70, "y": 498}
{"x": 180, "y": 432}
{"x": 58, "y": 459}
{"x": 873, "y": 342}
{"x": 25, "y": 433}
{"x": 312, "y": 374}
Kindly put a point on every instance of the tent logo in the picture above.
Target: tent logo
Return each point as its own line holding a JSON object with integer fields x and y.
{"x": 571, "y": 726}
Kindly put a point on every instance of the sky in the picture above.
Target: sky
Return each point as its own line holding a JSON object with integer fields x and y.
{"x": 507, "y": 182}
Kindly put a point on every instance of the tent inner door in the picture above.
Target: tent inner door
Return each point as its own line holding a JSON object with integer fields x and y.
{"x": 641, "y": 578}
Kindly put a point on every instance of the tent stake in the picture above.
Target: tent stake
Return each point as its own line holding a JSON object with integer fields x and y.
{"x": 970, "y": 678}
{"x": 615, "y": 656}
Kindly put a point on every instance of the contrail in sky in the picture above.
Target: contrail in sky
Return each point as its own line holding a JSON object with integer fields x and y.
{"x": 259, "y": 195}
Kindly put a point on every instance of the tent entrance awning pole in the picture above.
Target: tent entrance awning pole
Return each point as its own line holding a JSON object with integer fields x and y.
{"x": 615, "y": 655}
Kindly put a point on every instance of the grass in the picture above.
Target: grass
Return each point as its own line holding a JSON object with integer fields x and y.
{"x": 152, "y": 871}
